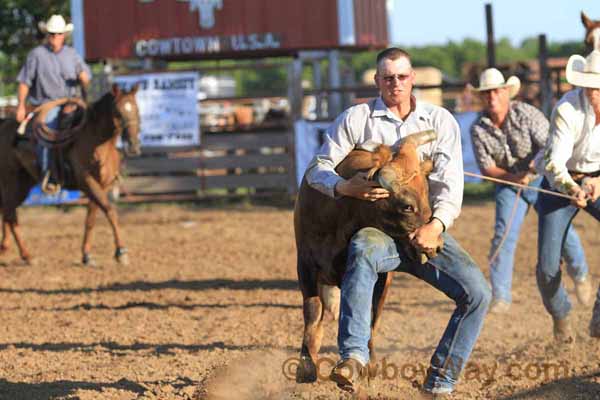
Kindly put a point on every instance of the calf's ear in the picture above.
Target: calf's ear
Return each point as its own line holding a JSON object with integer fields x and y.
{"x": 426, "y": 167}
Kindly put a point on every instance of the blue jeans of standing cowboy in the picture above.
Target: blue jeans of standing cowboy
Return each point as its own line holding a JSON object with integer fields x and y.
{"x": 502, "y": 254}
{"x": 555, "y": 216}
{"x": 452, "y": 271}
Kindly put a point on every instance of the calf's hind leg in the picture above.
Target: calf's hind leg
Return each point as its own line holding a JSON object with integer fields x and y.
{"x": 313, "y": 323}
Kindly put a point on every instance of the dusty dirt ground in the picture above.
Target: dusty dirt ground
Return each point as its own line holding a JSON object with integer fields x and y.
{"x": 209, "y": 308}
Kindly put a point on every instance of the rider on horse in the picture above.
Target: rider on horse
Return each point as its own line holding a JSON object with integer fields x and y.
{"x": 52, "y": 71}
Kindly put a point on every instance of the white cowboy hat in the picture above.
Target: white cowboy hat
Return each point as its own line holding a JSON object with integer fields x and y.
{"x": 56, "y": 24}
{"x": 584, "y": 72}
{"x": 491, "y": 78}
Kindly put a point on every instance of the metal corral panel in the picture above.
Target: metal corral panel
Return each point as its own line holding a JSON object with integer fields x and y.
{"x": 200, "y": 29}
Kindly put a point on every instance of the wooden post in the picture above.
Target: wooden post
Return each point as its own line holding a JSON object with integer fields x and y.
{"x": 545, "y": 78}
{"x": 491, "y": 46}
{"x": 318, "y": 83}
{"x": 295, "y": 96}
{"x": 334, "y": 103}
{"x": 295, "y": 88}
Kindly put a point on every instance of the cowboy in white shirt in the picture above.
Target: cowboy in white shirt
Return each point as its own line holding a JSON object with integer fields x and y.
{"x": 571, "y": 166}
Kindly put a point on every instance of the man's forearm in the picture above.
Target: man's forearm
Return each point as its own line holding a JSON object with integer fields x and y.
{"x": 501, "y": 173}
{"x": 84, "y": 79}
{"x": 22, "y": 92}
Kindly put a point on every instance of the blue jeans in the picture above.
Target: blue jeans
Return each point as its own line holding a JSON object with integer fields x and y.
{"x": 555, "y": 216}
{"x": 503, "y": 253}
{"x": 452, "y": 271}
{"x": 43, "y": 153}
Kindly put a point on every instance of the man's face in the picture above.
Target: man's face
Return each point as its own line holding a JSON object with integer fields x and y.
{"x": 56, "y": 41}
{"x": 496, "y": 101}
{"x": 593, "y": 96}
{"x": 395, "y": 79}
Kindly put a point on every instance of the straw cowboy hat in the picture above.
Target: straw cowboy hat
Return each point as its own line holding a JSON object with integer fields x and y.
{"x": 584, "y": 72}
{"x": 491, "y": 78}
{"x": 56, "y": 24}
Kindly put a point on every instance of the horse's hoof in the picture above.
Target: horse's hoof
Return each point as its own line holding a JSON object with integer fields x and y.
{"x": 307, "y": 370}
{"x": 88, "y": 261}
{"x": 121, "y": 256}
{"x": 3, "y": 249}
{"x": 29, "y": 262}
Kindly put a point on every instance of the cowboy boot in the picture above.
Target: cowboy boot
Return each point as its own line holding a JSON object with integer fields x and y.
{"x": 351, "y": 376}
{"x": 49, "y": 187}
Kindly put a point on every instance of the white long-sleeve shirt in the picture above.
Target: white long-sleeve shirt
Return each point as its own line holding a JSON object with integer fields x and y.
{"x": 574, "y": 141}
{"x": 374, "y": 122}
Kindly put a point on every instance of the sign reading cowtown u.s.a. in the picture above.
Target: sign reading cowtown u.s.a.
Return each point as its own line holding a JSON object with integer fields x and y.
{"x": 216, "y": 29}
{"x": 206, "y": 44}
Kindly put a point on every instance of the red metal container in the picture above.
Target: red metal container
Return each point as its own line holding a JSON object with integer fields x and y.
{"x": 203, "y": 29}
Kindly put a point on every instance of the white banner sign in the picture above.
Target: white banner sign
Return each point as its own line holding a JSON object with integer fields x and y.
{"x": 168, "y": 107}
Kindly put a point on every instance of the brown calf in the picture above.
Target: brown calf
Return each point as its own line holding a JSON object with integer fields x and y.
{"x": 324, "y": 227}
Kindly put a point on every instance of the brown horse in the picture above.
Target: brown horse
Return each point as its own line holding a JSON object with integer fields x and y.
{"x": 592, "y": 33}
{"x": 93, "y": 158}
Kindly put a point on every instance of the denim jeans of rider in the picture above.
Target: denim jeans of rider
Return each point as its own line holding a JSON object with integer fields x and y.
{"x": 555, "y": 216}
{"x": 510, "y": 214}
{"x": 452, "y": 271}
{"x": 43, "y": 153}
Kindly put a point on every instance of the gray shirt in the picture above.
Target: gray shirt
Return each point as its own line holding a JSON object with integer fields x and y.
{"x": 51, "y": 75}
{"x": 374, "y": 122}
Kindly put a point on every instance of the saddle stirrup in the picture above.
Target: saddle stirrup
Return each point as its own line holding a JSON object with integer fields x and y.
{"x": 49, "y": 187}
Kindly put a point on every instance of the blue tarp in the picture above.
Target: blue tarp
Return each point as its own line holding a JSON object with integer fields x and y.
{"x": 38, "y": 198}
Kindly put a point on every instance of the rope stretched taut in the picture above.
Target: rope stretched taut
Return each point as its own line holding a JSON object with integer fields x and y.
{"x": 519, "y": 185}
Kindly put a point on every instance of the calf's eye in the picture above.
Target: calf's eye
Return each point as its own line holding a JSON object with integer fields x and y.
{"x": 408, "y": 209}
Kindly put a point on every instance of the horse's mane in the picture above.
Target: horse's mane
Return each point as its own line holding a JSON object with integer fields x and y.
{"x": 102, "y": 106}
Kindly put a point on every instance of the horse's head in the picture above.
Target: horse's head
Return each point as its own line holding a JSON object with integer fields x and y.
{"x": 127, "y": 116}
{"x": 592, "y": 33}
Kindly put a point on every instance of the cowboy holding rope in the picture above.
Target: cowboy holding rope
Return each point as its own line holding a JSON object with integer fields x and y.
{"x": 571, "y": 165}
{"x": 52, "y": 71}
{"x": 506, "y": 138}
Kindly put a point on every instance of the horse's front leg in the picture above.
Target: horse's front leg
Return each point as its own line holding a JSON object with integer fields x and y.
{"x": 90, "y": 222}
{"x": 99, "y": 195}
